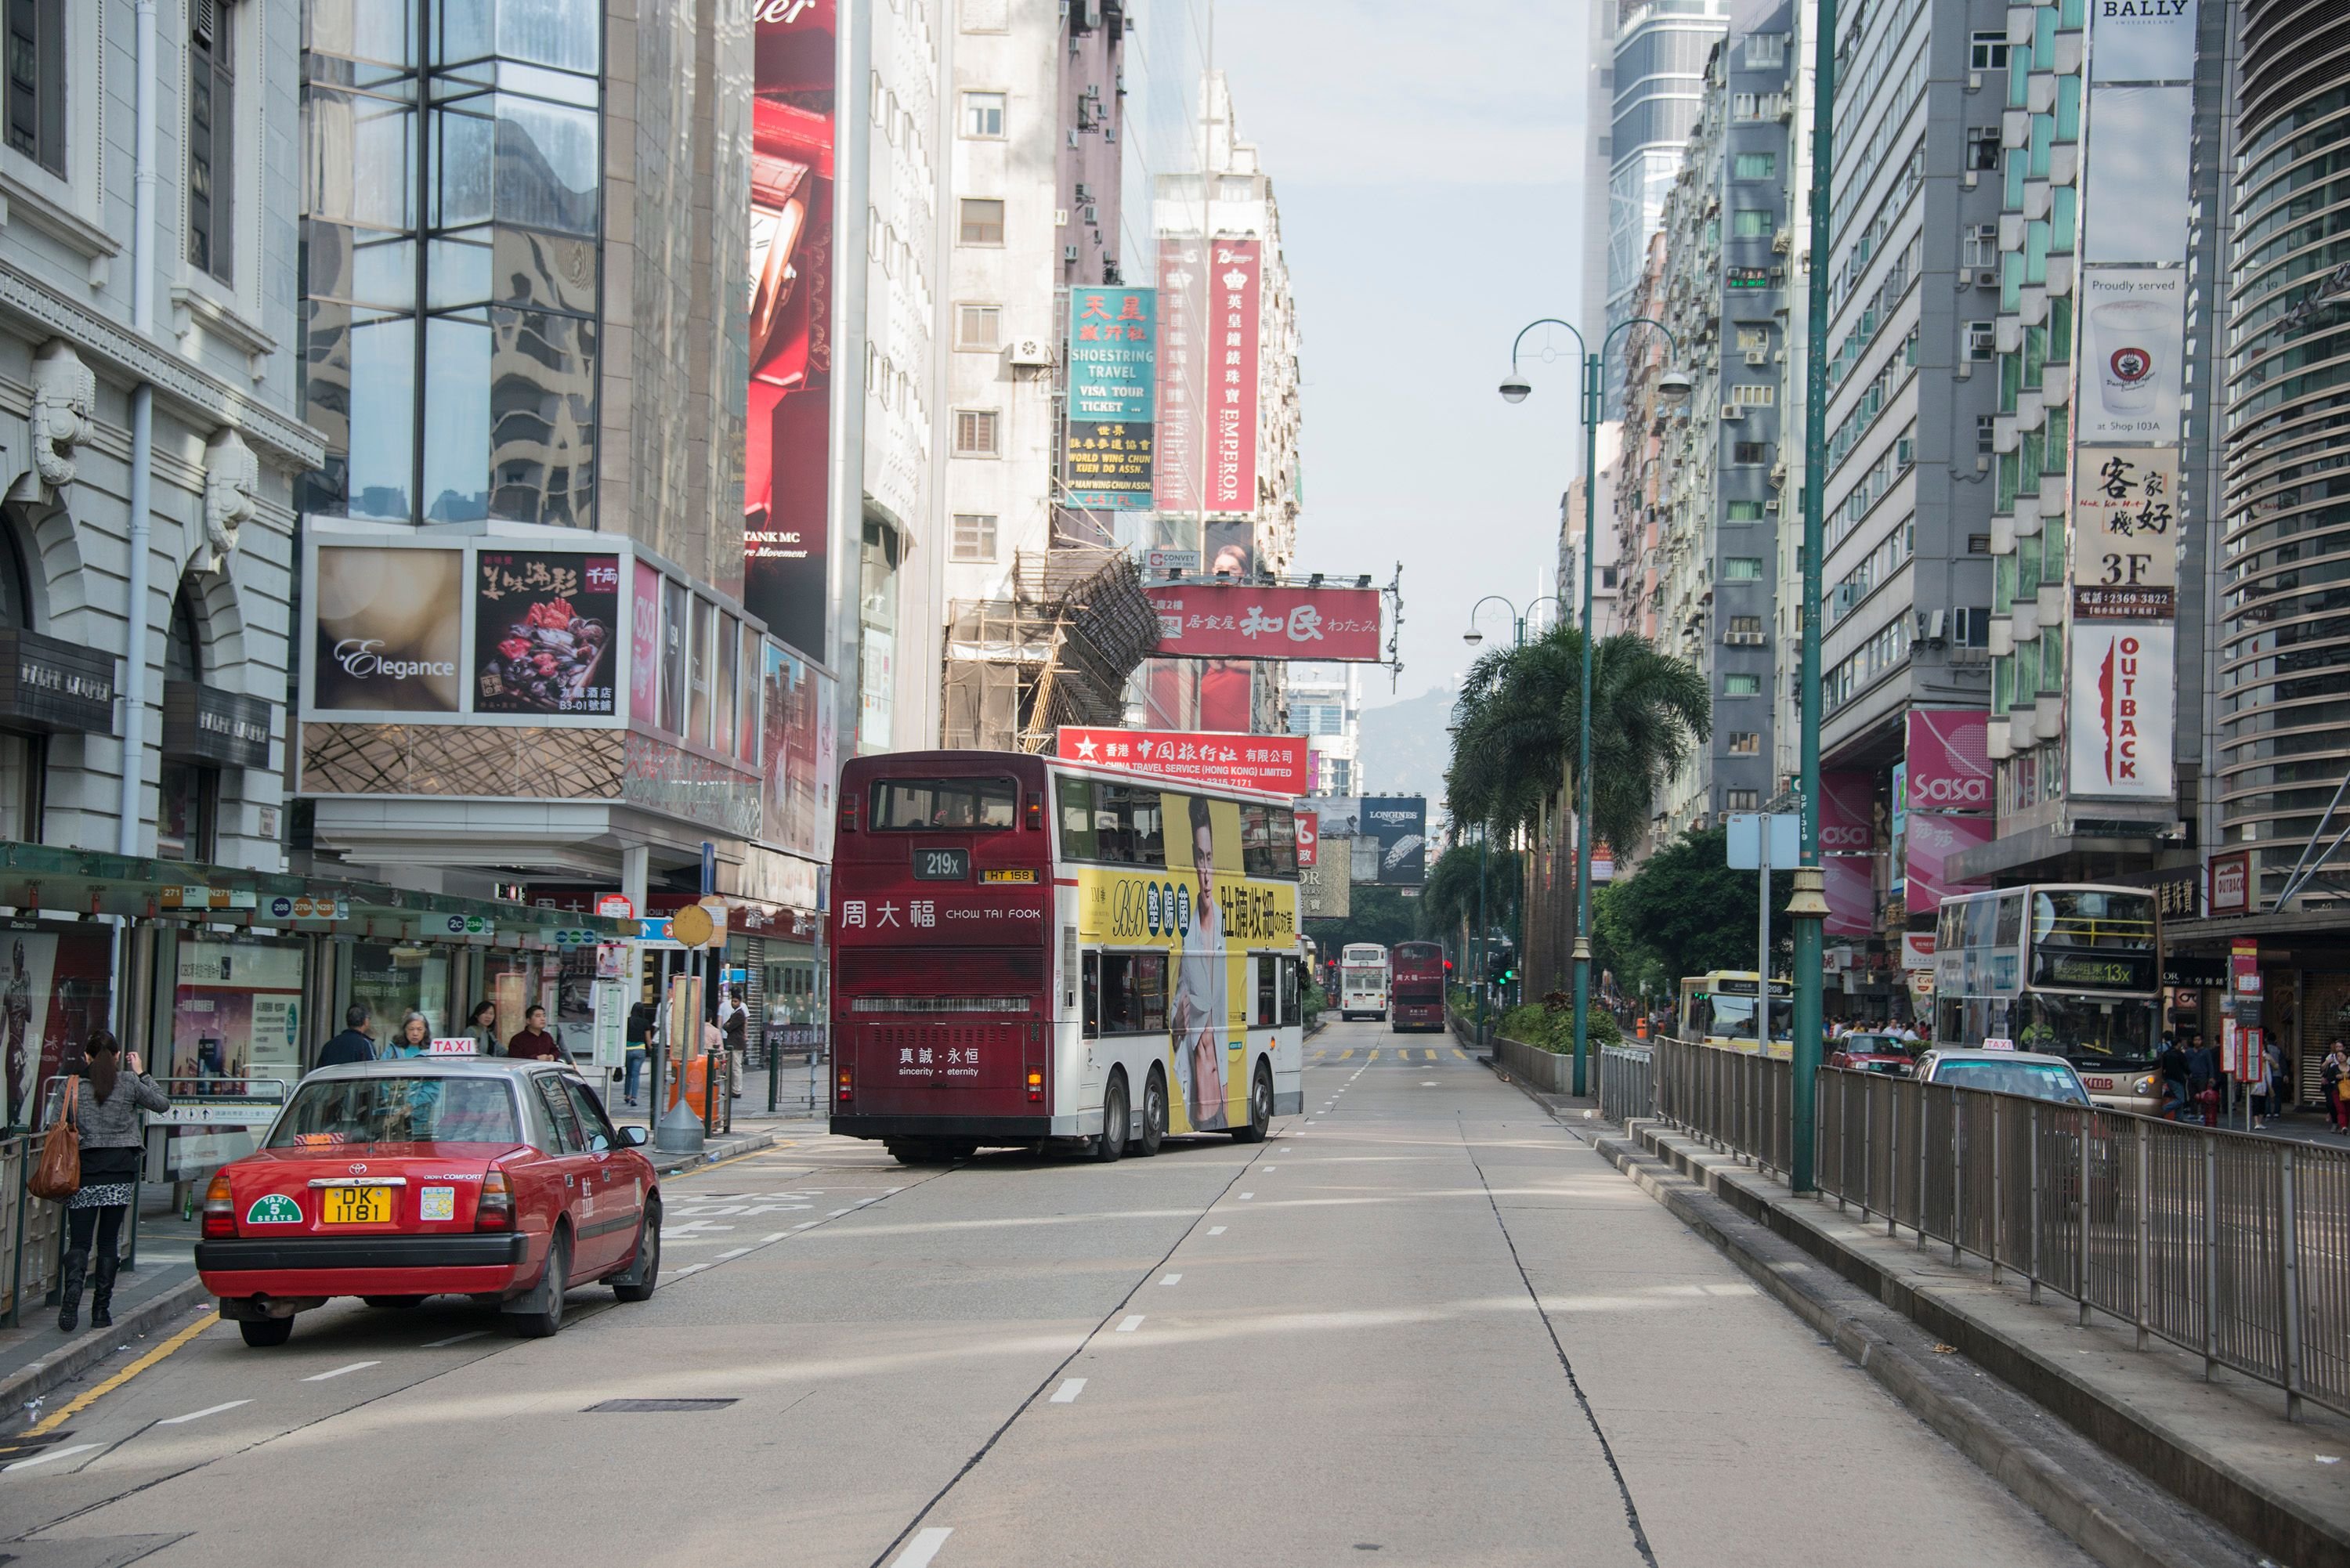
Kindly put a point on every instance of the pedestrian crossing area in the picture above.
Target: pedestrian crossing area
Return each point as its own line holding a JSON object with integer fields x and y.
{"x": 1398, "y": 1054}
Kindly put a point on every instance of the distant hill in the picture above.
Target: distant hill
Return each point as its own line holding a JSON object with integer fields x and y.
{"x": 1405, "y": 748}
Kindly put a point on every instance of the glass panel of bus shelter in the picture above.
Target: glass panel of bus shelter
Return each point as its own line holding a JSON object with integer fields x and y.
{"x": 389, "y": 979}
{"x": 512, "y": 979}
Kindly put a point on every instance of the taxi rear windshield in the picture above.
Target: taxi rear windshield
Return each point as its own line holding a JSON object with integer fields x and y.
{"x": 952, "y": 804}
{"x": 398, "y": 1110}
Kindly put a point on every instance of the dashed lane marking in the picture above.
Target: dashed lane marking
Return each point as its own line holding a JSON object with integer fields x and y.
{"x": 53, "y": 1455}
{"x": 199, "y": 1415}
{"x": 1130, "y": 1322}
{"x": 1215, "y": 1229}
{"x": 1067, "y": 1393}
{"x": 453, "y": 1339}
{"x": 923, "y": 1547}
{"x": 1171, "y": 1279}
{"x": 338, "y": 1372}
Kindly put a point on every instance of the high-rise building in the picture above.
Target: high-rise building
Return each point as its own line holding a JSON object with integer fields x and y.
{"x": 1658, "y": 81}
{"x": 1325, "y": 705}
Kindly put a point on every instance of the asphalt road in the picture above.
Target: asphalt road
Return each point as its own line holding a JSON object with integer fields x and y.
{"x": 1422, "y": 1324}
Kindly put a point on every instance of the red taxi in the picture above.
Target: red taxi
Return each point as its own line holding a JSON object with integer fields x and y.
{"x": 395, "y": 1181}
{"x": 1873, "y": 1052}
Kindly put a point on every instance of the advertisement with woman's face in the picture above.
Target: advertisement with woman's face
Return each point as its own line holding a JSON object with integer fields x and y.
{"x": 1205, "y": 1037}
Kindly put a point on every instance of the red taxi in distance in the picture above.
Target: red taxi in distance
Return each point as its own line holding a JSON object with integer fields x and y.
{"x": 1873, "y": 1052}
{"x": 395, "y": 1181}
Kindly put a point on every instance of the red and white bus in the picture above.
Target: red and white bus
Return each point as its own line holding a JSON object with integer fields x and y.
{"x": 1027, "y": 949}
{"x": 1416, "y": 976}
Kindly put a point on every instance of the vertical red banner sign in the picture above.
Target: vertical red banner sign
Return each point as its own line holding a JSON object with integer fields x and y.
{"x": 1183, "y": 356}
{"x": 1235, "y": 291}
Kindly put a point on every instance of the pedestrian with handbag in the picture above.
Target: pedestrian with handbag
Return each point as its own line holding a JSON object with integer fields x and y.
{"x": 2335, "y": 1073}
{"x": 105, "y": 1109}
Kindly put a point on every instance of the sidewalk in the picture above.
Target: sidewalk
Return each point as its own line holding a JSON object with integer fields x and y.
{"x": 2221, "y": 1446}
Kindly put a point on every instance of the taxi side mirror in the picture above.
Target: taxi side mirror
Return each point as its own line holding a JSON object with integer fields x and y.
{"x": 636, "y": 1137}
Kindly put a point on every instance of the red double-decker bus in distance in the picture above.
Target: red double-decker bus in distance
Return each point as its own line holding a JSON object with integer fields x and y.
{"x": 1416, "y": 985}
{"x": 1028, "y": 949}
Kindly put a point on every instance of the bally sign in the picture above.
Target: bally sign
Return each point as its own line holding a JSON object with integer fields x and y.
{"x": 2118, "y": 712}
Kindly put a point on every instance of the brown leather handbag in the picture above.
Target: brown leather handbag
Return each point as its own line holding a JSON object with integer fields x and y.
{"x": 57, "y": 1177}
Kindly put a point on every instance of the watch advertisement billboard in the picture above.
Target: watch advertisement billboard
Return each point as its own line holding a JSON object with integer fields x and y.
{"x": 387, "y": 628}
{"x": 1247, "y": 620}
{"x": 1399, "y": 824}
{"x": 1113, "y": 386}
{"x": 2119, "y": 711}
{"x": 787, "y": 461}
{"x": 1273, "y": 764}
{"x": 545, "y": 632}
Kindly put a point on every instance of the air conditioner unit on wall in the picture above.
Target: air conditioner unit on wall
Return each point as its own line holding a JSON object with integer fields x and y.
{"x": 1758, "y": 356}
{"x": 1732, "y": 411}
{"x": 1031, "y": 352}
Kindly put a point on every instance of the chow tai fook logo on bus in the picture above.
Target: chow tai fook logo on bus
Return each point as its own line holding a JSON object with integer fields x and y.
{"x": 2120, "y": 718}
{"x": 896, "y": 918}
{"x": 1246, "y": 620}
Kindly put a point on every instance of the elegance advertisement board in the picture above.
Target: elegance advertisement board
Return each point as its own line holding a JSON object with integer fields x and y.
{"x": 387, "y": 628}
{"x": 1245, "y": 620}
{"x": 1234, "y": 284}
{"x": 1113, "y": 376}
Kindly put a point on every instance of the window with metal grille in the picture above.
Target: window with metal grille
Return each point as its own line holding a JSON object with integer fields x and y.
{"x": 1745, "y": 742}
{"x": 212, "y": 139}
{"x": 975, "y": 433}
{"x": 37, "y": 81}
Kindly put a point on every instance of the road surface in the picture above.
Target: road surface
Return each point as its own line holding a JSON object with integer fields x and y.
{"x": 1422, "y": 1324}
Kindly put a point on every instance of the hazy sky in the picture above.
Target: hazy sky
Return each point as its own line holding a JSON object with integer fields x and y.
{"x": 1428, "y": 164}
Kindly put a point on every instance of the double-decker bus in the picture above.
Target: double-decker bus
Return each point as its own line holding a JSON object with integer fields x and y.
{"x": 1718, "y": 1010}
{"x": 1417, "y": 973}
{"x": 1028, "y": 949}
{"x": 1363, "y": 981}
{"x": 2071, "y": 968}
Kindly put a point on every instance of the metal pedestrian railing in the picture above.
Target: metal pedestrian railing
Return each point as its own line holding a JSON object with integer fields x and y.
{"x": 1627, "y": 1083}
{"x": 2232, "y": 1246}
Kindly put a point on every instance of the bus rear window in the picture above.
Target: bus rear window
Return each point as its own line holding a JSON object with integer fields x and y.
{"x": 954, "y": 806}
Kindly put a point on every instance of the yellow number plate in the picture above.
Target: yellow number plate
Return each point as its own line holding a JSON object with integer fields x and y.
{"x": 1023, "y": 876}
{"x": 358, "y": 1206}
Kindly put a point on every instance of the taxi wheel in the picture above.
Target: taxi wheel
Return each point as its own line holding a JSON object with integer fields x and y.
{"x": 1154, "y": 1115}
{"x": 637, "y": 1284}
{"x": 547, "y": 1321}
{"x": 1110, "y": 1142}
{"x": 393, "y": 1303}
{"x": 261, "y": 1332}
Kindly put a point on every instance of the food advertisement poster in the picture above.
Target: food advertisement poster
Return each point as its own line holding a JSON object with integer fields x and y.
{"x": 2133, "y": 353}
{"x": 785, "y": 518}
{"x": 236, "y": 1011}
{"x": 53, "y": 993}
{"x": 1113, "y": 374}
{"x": 544, "y": 638}
{"x": 387, "y": 625}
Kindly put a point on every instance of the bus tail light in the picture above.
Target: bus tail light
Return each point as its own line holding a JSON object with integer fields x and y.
{"x": 1035, "y": 815}
{"x": 219, "y": 1211}
{"x": 496, "y": 1211}
{"x": 848, "y": 813}
{"x": 1035, "y": 1085}
{"x": 848, "y": 1085}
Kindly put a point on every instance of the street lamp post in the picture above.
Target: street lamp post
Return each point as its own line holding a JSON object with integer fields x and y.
{"x": 1472, "y": 636}
{"x": 1809, "y": 908}
{"x": 1672, "y": 386}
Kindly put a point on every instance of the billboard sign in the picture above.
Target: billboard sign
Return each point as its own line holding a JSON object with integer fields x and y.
{"x": 2119, "y": 711}
{"x": 2135, "y": 206}
{"x": 1274, "y": 763}
{"x": 2231, "y": 883}
{"x": 1234, "y": 285}
{"x": 2126, "y": 533}
{"x": 786, "y": 516}
{"x": 544, "y": 632}
{"x": 1113, "y": 386}
{"x": 388, "y": 628}
{"x": 2141, "y": 40}
{"x": 1309, "y": 837}
{"x": 1183, "y": 360}
{"x": 1399, "y": 826}
{"x": 2133, "y": 355}
{"x": 1847, "y": 812}
{"x": 1935, "y": 839}
{"x": 1949, "y": 769}
{"x": 1245, "y": 620}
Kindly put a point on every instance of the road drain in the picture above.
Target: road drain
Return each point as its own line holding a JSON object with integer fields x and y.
{"x": 644, "y": 1407}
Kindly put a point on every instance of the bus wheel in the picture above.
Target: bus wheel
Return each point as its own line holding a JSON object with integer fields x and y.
{"x": 1260, "y": 1107}
{"x": 1111, "y": 1142}
{"x": 1154, "y": 1114}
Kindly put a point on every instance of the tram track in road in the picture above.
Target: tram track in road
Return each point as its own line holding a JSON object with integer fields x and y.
{"x": 111, "y": 1384}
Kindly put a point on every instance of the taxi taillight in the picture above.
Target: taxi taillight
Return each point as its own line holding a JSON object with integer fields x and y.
{"x": 220, "y": 1211}
{"x": 495, "y": 1210}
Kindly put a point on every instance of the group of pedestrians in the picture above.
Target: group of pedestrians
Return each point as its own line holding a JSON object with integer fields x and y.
{"x": 415, "y": 1037}
{"x": 2191, "y": 1071}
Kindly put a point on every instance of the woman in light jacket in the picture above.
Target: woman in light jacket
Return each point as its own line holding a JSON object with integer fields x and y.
{"x": 106, "y": 1103}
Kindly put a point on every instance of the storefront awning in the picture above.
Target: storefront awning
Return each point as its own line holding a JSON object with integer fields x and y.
{"x": 90, "y": 882}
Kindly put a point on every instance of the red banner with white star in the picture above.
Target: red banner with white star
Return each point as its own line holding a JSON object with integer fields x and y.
{"x": 1274, "y": 763}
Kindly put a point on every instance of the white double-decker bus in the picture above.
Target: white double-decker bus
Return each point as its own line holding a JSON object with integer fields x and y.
{"x": 1363, "y": 981}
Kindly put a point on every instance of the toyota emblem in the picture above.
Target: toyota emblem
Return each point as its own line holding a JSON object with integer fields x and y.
{"x": 359, "y": 1171}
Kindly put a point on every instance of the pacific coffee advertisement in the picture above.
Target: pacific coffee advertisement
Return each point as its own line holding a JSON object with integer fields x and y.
{"x": 543, "y": 632}
{"x": 388, "y": 630}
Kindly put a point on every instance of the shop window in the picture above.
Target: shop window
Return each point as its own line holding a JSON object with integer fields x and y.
{"x": 187, "y": 810}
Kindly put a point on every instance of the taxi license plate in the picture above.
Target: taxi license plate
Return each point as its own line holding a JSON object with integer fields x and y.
{"x": 357, "y": 1206}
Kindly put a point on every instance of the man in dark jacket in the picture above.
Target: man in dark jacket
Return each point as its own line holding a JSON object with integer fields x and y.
{"x": 353, "y": 1044}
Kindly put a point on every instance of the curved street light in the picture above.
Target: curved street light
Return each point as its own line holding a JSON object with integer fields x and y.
{"x": 1672, "y": 388}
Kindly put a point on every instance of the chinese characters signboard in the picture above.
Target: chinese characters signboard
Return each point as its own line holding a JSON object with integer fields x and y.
{"x": 1234, "y": 278}
{"x": 2126, "y": 534}
{"x": 1183, "y": 361}
{"x": 1113, "y": 353}
{"x": 543, "y": 632}
{"x": 1243, "y": 620}
{"x": 1274, "y": 763}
